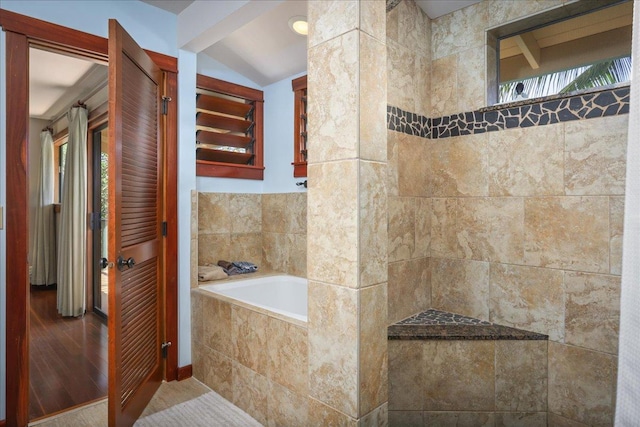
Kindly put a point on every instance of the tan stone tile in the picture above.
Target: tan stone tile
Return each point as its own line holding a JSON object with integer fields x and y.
{"x": 423, "y": 228}
{"x": 246, "y": 247}
{"x": 443, "y": 228}
{"x": 521, "y": 376}
{"x": 333, "y": 87}
{"x": 401, "y": 65}
{"x": 250, "y": 391}
{"x": 592, "y": 311}
{"x": 194, "y": 214}
{"x": 379, "y": 417}
{"x": 197, "y": 315}
{"x": 213, "y": 247}
{"x": 491, "y": 229}
{"x": 460, "y": 376}
{"x": 373, "y": 19}
{"x": 402, "y": 211}
{"x": 373, "y": 361}
{"x": 444, "y": 82}
{"x": 331, "y": 18}
{"x": 193, "y": 262}
{"x": 459, "y": 31}
{"x": 406, "y": 419}
{"x": 616, "y": 226}
{"x": 460, "y": 286}
{"x": 245, "y": 211}
{"x": 333, "y": 223}
{"x": 321, "y": 414}
{"x": 422, "y": 78}
{"x": 288, "y": 355}
{"x": 409, "y": 288}
{"x": 413, "y": 31}
{"x": 567, "y": 232}
{"x": 392, "y": 25}
{"x": 521, "y": 419}
{"x": 471, "y": 91}
{"x": 213, "y": 213}
{"x": 501, "y": 11}
{"x": 392, "y": 162}
{"x": 296, "y": 212}
{"x": 581, "y": 384}
{"x": 555, "y": 420}
{"x": 528, "y": 298}
{"x": 406, "y": 373}
{"x": 527, "y": 161}
{"x": 249, "y": 338}
{"x": 413, "y": 166}
{"x": 297, "y": 261}
{"x": 286, "y": 408}
{"x": 275, "y": 251}
{"x": 372, "y": 234}
{"x": 333, "y": 356}
{"x": 216, "y": 325}
{"x": 471, "y": 419}
{"x": 459, "y": 166}
{"x": 274, "y": 217}
{"x": 373, "y": 96}
{"x": 595, "y": 156}
{"x": 214, "y": 370}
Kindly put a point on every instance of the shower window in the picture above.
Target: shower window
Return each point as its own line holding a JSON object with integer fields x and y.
{"x": 59, "y": 159}
{"x": 299, "y": 87}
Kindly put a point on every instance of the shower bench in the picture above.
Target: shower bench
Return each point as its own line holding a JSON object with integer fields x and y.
{"x": 449, "y": 369}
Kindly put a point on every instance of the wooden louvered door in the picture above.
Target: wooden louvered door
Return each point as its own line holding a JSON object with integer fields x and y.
{"x": 135, "y": 218}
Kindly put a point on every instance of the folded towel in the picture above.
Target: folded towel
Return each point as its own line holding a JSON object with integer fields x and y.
{"x": 245, "y": 266}
{"x": 207, "y": 273}
{"x": 225, "y": 264}
{"x": 237, "y": 267}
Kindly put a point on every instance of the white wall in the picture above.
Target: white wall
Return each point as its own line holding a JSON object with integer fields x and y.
{"x": 3, "y": 246}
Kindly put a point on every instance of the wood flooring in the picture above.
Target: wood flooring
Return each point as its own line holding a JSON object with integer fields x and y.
{"x": 67, "y": 357}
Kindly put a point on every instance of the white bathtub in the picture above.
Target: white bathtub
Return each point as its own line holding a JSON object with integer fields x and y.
{"x": 285, "y": 295}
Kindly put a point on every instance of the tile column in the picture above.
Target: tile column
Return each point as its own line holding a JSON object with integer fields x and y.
{"x": 347, "y": 213}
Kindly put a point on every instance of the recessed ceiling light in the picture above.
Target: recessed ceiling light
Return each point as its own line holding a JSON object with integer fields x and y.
{"x": 298, "y": 25}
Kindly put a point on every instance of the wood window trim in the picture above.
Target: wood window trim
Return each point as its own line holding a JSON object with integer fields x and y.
{"x": 299, "y": 87}
{"x": 229, "y": 170}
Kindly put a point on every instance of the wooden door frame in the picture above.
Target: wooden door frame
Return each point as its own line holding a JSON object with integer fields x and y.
{"x": 21, "y": 31}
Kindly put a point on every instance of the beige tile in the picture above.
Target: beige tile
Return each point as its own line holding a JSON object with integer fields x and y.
{"x": 379, "y": 417}
{"x": 460, "y": 376}
{"x": 213, "y": 213}
{"x": 616, "y": 226}
{"x": 373, "y": 19}
{"x": 491, "y": 229}
{"x": 406, "y": 419}
{"x": 321, "y": 414}
{"x": 333, "y": 87}
{"x": 194, "y": 214}
{"x": 274, "y": 217}
{"x": 413, "y": 31}
{"x": 297, "y": 261}
{"x": 193, "y": 262}
{"x": 392, "y": 24}
{"x": 372, "y": 95}
{"x": 581, "y": 384}
{"x": 423, "y": 228}
{"x": 333, "y": 355}
{"x": 443, "y": 228}
{"x": 245, "y": 211}
{"x": 502, "y": 11}
{"x": 592, "y": 311}
{"x": 331, "y": 18}
{"x": 521, "y": 376}
{"x": 213, "y": 247}
{"x": 296, "y": 212}
{"x": 373, "y": 353}
{"x": 214, "y": 370}
{"x": 460, "y": 286}
{"x": 555, "y": 420}
{"x": 471, "y": 419}
{"x": 528, "y": 298}
{"x": 459, "y": 166}
{"x": 246, "y": 247}
{"x": 406, "y": 374}
{"x": 372, "y": 234}
{"x": 567, "y": 232}
{"x": 216, "y": 325}
{"x": 288, "y": 355}
{"x": 471, "y": 90}
{"x": 409, "y": 288}
{"x": 333, "y": 223}
{"x": 527, "y": 161}
{"x": 285, "y": 407}
{"x": 401, "y": 66}
{"x": 275, "y": 251}
{"x": 249, "y": 338}
{"x": 459, "y": 31}
{"x": 444, "y": 82}
{"x": 422, "y": 78}
{"x": 413, "y": 166}
{"x": 402, "y": 212}
{"x": 250, "y": 391}
{"x": 392, "y": 162}
{"x": 595, "y": 156}
{"x": 521, "y": 419}
{"x": 196, "y": 318}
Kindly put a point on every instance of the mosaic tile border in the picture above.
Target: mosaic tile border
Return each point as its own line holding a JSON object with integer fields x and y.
{"x": 437, "y": 317}
{"x": 586, "y": 106}
{"x": 391, "y": 4}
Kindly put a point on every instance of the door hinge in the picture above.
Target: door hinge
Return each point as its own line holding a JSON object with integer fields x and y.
{"x": 165, "y": 348}
{"x": 165, "y": 105}
{"x": 164, "y": 229}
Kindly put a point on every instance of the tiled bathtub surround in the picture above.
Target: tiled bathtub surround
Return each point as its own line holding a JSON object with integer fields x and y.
{"x": 587, "y": 106}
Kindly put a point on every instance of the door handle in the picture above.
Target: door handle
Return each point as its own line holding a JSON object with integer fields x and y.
{"x": 104, "y": 263}
{"x": 128, "y": 263}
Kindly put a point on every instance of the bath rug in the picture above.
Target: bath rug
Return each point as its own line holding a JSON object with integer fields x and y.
{"x": 207, "y": 410}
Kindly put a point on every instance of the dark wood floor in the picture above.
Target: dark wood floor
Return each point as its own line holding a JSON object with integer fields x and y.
{"x": 67, "y": 357}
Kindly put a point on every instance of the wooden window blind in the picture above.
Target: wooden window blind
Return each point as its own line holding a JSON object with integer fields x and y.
{"x": 299, "y": 86}
{"x": 229, "y": 130}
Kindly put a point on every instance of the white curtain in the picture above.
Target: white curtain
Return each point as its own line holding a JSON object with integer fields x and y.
{"x": 628, "y": 397}
{"x": 72, "y": 245}
{"x": 43, "y": 241}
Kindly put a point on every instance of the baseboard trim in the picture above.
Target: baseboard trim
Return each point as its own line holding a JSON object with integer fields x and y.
{"x": 184, "y": 372}
{"x": 3, "y": 423}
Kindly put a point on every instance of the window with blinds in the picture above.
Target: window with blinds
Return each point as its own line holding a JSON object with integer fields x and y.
{"x": 229, "y": 130}
{"x": 299, "y": 86}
